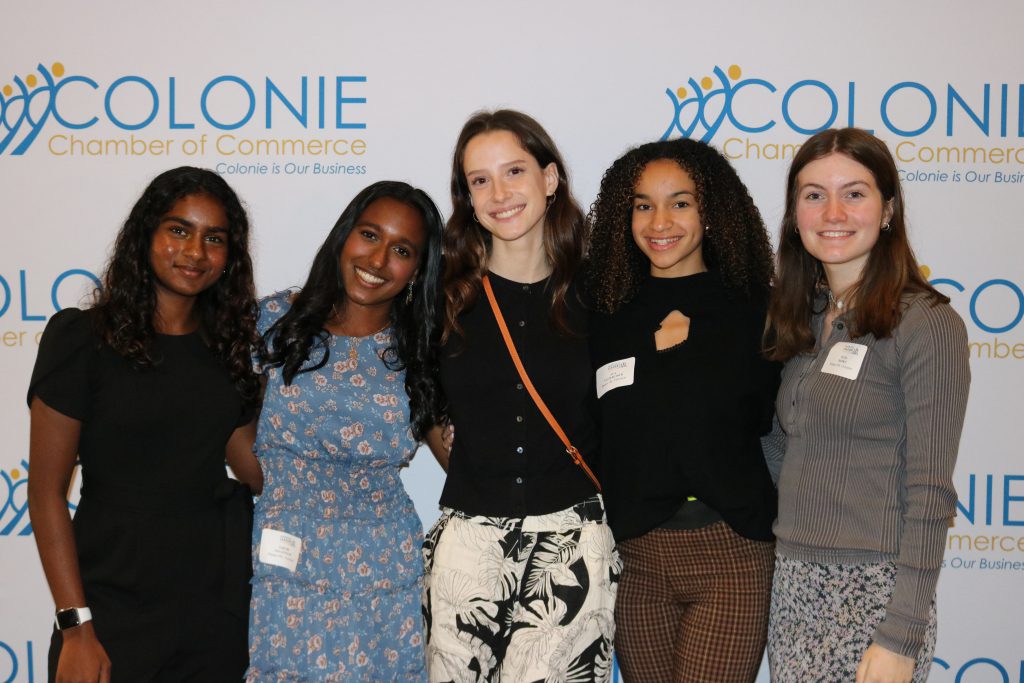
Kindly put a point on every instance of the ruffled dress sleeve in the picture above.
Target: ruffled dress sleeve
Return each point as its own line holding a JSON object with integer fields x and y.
{"x": 60, "y": 378}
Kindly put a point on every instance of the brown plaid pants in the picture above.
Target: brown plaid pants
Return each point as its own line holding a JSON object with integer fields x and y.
{"x": 693, "y": 606}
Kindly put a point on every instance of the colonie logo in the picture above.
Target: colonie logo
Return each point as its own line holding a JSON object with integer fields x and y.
{"x": 906, "y": 109}
{"x": 994, "y": 306}
{"x": 14, "y": 517}
{"x": 51, "y": 106}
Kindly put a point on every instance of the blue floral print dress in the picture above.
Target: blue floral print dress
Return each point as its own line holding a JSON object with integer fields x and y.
{"x": 331, "y": 445}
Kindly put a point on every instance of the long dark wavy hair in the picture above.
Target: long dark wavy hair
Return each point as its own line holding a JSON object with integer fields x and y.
{"x": 467, "y": 244}
{"x": 125, "y": 307}
{"x": 891, "y": 270}
{"x": 735, "y": 245}
{"x": 299, "y": 334}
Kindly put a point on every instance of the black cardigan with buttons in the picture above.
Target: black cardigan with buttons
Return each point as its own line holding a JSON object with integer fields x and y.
{"x": 506, "y": 461}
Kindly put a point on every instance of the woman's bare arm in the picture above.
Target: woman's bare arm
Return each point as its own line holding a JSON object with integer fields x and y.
{"x": 53, "y": 447}
{"x": 242, "y": 459}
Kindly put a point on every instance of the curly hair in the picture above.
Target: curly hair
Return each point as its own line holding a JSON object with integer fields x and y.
{"x": 467, "y": 244}
{"x": 294, "y": 338}
{"x": 891, "y": 269}
{"x": 125, "y": 306}
{"x": 735, "y": 245}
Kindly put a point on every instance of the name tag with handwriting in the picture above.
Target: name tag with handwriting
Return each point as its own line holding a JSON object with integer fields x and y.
{"x": 618, "y": 373}
{"x": 280, "y": 549}
{"x": 845, "y": 359}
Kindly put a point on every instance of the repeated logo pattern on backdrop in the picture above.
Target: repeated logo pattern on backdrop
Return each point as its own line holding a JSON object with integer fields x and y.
{"x": 906, "y": 110}
{"x": 301, "y": 117}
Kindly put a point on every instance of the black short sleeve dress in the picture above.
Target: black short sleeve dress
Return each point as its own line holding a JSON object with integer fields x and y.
{"x": 160, "y": 530}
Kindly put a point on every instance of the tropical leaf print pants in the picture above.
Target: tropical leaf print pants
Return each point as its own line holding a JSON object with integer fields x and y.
{"x": 510, "y": 599}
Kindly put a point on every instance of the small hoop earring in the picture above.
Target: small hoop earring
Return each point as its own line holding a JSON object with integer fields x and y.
{"x": 551, "y": 200}
{"x": 886, "y": 227}
{"x": 475, "y": 219}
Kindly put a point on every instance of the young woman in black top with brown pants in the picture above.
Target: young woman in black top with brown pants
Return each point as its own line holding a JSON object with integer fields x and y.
{"x": 679, "y": 268}
{"x": 521, "y": 568}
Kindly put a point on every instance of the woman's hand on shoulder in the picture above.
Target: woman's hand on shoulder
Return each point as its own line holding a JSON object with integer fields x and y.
{"x": 879, "y": 665}
{"x": 82, "y": 657}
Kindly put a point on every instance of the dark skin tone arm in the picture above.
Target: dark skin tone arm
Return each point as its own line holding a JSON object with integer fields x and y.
{"x": 240, "y": 455}
{"x": 242, "y": 460}
{"x": 53, "y": 447}
{"x": 439, "y": 440}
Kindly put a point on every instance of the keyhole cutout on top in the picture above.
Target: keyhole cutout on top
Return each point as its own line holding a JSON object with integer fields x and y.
{"x": 674, "y": 330}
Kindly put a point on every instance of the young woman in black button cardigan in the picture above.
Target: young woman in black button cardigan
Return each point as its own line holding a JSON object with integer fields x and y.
{"x": 521, "y": 568}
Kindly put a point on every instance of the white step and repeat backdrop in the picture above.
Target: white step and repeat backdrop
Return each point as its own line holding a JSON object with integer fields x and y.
{"x": 302, "y": 104}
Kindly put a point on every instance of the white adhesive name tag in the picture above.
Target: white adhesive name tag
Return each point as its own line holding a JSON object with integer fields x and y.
{"x": 618, "y": 373}
{"x": 844, "y": 359}
{"x": 280, "y": 549}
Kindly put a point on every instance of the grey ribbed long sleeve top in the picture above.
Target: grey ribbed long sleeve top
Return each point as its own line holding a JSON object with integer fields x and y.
{"x": 867, "y": 472}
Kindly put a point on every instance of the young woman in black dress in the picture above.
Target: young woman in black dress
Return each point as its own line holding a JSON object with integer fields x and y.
{"x": 150, "y": 388}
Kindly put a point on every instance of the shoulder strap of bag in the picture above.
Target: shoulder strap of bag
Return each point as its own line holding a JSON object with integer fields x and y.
{"x": 569, "y": 448}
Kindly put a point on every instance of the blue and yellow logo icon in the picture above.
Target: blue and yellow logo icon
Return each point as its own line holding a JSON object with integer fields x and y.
{"x": 14, "y": 502}
{"x": 700, "y": 109}
{"x": 14, "y": 516}
{"x": 26, "y": 104}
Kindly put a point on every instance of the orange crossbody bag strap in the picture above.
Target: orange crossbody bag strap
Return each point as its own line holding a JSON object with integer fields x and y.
{"x": 569, "y": 448}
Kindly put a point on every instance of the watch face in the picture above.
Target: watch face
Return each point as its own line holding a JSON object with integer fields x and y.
{"x": 68, "y": 618}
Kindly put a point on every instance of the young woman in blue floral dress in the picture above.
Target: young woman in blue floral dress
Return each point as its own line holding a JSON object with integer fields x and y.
{"x": 347, "y": 360}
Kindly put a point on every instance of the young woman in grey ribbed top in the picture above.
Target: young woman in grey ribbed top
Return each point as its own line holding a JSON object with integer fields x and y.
{"x": 869, "y": 417}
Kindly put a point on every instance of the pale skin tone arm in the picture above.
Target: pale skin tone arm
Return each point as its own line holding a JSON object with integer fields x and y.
{"x": 879, "y": 665}
{"x": 241, "y": 458}
{"x": 53, "y": 448}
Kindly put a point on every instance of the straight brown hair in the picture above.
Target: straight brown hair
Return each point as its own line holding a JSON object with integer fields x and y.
{"x": 891, "y": 270}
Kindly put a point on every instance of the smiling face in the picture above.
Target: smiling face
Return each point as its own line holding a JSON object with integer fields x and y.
{"x": 839, "y": 213}
{"x": 508, "y": 188}
{"x": 666, "y": 222}
{"x": 189, "y": 248}
{"x": 380, "y": 256}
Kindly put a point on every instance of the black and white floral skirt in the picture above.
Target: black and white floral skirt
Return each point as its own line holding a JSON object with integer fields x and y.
{"x": 521, "y": 599}
{"x": 823, "y": 615}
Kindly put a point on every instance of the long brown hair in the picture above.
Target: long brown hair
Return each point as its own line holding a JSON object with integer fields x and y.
{"x": 891, "y": 269}
{"x": 467, "y": 244}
